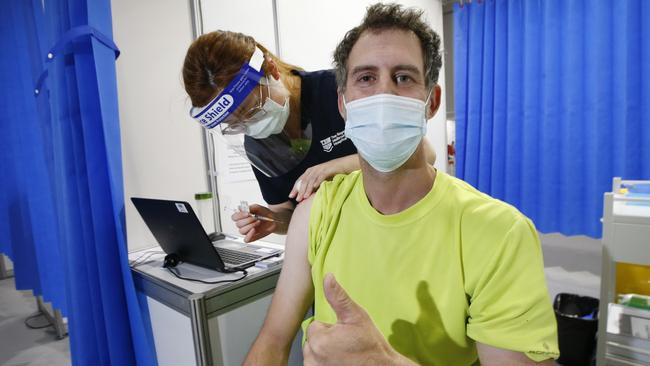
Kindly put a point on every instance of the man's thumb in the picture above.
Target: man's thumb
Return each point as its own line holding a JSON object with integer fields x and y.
{"x": 347, "y": 311}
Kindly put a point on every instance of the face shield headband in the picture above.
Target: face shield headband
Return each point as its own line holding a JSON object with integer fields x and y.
{"x": 226, "y": 103}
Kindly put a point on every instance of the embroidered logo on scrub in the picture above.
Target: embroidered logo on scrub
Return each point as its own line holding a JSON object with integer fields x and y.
{"x": 328, "y": 143}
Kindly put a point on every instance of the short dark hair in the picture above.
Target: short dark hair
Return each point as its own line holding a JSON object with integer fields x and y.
{"x": 392, "y": 16}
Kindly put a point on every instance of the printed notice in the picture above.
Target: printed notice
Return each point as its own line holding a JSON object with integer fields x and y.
{"x": 231, "y": 166}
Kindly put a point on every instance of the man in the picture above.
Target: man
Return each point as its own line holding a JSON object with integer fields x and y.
{"x": 404, "y": 264}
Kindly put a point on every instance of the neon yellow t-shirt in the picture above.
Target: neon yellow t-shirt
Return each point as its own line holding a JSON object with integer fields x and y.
{"x": 457, "y": 267}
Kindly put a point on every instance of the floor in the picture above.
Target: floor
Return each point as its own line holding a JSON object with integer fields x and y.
{"x": 19, "y": 345}
{"x": 572, "y": 264}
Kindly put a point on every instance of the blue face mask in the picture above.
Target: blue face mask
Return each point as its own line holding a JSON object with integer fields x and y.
{"x": 386, "y": 129}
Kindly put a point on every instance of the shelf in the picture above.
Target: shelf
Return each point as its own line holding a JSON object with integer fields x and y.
{"x": 621, "y": 345}
{"x": 626, "y": 229}
{"x": 630, "y": 211}
{"x": 613, "y": 360}
{"x": 626, "y": 239}
{"x": 629, "y": 321}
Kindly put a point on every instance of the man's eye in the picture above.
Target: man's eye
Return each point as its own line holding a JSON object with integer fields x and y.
{"x": 401, "y": 79}
{"x": 365, "y": 78}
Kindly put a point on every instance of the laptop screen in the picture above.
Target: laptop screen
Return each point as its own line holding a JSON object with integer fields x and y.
{"x": 178, "y": 231}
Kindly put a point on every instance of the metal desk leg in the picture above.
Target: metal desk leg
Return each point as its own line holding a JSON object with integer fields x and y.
{"x": 4, "y": 272}
{"x": 200, "y": 331}
{"x": 55, "y": 319}
{"x": 607, "y": 292}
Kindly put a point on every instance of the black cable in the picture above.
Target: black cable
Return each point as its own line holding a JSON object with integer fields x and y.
{"x": 138, "y": 261}
{"x": 173, "y": 271}
{"x": 36, "y": 316}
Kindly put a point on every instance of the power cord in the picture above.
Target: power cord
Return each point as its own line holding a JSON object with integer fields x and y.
{"x": 177, "y": 273}
{"x": 144, "y": 257}
{"x": 34, "y": 316}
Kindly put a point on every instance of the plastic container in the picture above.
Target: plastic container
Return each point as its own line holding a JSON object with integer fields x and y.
{"x": 635, "y": 301}
{"x": 632, "y": 279}
{"x": 577, "y": 324}
{"x": 639, "y": 190}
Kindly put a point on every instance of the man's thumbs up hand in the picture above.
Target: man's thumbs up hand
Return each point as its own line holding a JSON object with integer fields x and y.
{"x": 353, "y": 340}
{"x": 347, "y": 311}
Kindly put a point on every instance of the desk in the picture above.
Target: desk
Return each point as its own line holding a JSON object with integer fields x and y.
{"x": 201, "y": 324}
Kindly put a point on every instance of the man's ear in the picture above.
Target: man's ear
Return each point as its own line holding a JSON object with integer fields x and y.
{"x": 434, "y": 102}
{"x": 340, "y": 103}
{"x": 271, "y": 67}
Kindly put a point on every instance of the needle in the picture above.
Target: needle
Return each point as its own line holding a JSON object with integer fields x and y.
{"x": 264, "y": 218}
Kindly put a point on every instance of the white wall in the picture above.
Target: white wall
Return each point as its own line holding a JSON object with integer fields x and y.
{"x": 162, "y": 151}
{"x": 251, "y": 17}
{"x": 448, "y": 60}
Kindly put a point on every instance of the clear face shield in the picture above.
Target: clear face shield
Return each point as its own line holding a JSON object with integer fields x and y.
{"x": 251, "y": 115}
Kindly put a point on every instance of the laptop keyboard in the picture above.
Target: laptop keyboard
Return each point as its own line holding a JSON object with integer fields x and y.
{"x": 236, "y": 257}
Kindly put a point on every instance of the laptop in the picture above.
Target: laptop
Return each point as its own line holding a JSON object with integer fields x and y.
{"x": 180, "y": 233}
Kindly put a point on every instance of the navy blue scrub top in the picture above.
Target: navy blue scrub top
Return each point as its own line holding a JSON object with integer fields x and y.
{"x": 318, "y": 102}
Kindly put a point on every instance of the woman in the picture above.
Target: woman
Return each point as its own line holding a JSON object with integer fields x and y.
{"x": 283, "y": 120}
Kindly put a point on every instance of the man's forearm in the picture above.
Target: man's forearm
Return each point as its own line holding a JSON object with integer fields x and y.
{"x": 265, "y": 351}
{"x": 490, "y": 355}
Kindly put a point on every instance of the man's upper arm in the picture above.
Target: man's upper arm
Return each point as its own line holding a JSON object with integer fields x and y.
{"x": 509, "y": 307}
{"x": 492, "y": 356}
{"x": 294, "y": 291}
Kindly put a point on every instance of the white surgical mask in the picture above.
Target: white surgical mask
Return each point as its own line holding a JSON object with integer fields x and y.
{"x": 386, "y": 129}
{"x": 271, "y": 120}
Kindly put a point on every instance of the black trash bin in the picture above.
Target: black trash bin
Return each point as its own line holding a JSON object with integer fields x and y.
{"x": 577, "y": 323}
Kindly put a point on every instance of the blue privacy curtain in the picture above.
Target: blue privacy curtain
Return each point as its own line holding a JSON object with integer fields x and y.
{"x": 552, "y": 101}
{"x": 61, "y": 189}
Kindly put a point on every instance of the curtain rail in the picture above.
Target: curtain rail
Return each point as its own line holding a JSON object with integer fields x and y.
{"x": 460, "y": 2}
